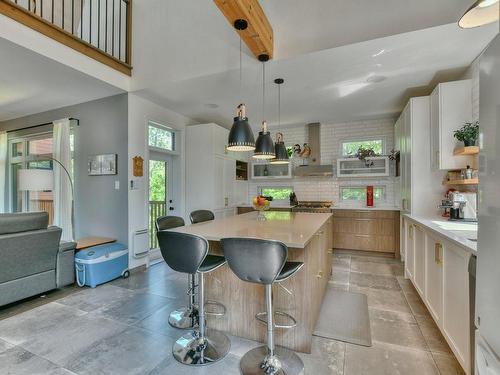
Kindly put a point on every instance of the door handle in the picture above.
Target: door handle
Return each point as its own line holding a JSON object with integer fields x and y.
{"x": 171, "y": 208}
{"x": 410, "y": 231}
{"x": 437, "y": 253}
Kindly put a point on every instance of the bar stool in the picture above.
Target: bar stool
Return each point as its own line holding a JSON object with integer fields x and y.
{"x": 187, "y": 316}
{"x": 189, "y": 254}
{"x": 264, "y": 262}
{"x": 199, "y": 216}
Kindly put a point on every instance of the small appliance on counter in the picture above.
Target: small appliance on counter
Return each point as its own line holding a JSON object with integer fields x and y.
{"x": 293, "y": 199}
{"x": 460, "y": 206}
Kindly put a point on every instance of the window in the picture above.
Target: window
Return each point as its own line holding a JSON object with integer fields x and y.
{"x": 358, "y": 193}
{"x": 161, "y": 137}
{"x": 351, "y": 147}
{"x": 279, "y": 193}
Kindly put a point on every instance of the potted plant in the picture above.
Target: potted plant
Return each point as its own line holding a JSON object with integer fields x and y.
{"x": 468, "y": 133}
{"x": 364, "y": 153}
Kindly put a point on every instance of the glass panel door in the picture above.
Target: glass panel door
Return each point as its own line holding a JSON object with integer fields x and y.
{"x": 158, "y": 195}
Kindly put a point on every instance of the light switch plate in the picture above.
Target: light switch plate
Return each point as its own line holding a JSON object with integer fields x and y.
{"x": 117, "y": 185}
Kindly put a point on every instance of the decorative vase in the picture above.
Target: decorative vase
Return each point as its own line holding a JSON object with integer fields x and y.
{"x": 469, "y": 142}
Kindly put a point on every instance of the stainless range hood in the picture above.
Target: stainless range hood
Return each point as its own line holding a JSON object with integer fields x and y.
{"x": 315, "y": 168}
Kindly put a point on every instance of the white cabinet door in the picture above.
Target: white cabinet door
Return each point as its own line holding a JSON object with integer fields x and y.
{"x": 408, "y": 159}
{"x": 409, "y": 250}
{"x": 419, "y": 250}
{"x": 434, "y": 108}
{"x": 229, "y": 181}
{"x": 456, "y": 301}
{"x": 434, "y": 277}
{"x": 219, "y": 182}
{"x": 220, "y": 135}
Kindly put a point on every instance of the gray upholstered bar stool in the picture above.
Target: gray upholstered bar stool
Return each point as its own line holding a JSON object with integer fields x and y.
{"x": 189, "y": 254}
{"x": 264, "y": 262}
{"x": 199, "y": 216}
{"x": 187, "y": 316}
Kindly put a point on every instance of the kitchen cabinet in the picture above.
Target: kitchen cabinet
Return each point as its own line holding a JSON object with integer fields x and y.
{"x": 265, "y": 170}
{"x": 418, "y": 183}
{"x": 456, "y": 300}
{"x": 438, "y": 269}
{"x": 450, "y": 108}
{"x": 353, "y": 167}
{"x": 210, "y": 171}
{"x": 368, "y": 230}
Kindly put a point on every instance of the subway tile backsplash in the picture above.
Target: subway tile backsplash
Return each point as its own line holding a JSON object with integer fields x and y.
{"x": 332, "y": 135}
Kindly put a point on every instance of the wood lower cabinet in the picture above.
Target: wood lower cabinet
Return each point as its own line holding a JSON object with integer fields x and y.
{"x": 366, "y": 230}
{"x": 438, "y": 268}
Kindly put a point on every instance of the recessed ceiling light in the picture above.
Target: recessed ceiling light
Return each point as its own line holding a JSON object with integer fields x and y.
{"x": 376, "y": 79}
{"x": 212, "y": 105}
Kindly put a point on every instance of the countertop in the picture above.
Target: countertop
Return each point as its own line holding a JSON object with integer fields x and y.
{"x": 335, "y": 207}
{"x": 459, "y": 233}
{"x": 294, "y": 229}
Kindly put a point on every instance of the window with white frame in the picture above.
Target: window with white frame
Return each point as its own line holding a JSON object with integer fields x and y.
{"x": 161, "y": 137}
{"x": 350, "y": 147}
{"x": 358, "y": 193}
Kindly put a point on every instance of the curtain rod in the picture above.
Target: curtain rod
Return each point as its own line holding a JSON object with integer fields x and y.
{"x": 36, "y": 126}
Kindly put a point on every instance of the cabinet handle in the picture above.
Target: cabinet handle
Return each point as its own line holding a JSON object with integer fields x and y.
{"x": 410, "y": 231}
{"x": 329, "y": 251}
{"x": 319, "y": 233}
{"x": 364, "y": 219}
{"x": 437, "y": 253}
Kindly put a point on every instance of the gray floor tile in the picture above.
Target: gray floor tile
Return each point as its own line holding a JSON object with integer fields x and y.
{"x": 381, "y": 258}
{"x": 4, "y": 345}
{"x": 340, "y": 277}
{"x": 171, "y": 287}
{"x": 374, "y": 281}
{"x": 229, "y": 365}
{"x": 447, "y": 364}
{"x": 376, "y": 268}
{"x": 390, "y": 300}
{"x": 57, "y": 332}
{"x": 239, "y": 345}
{"x": 383, "y": 359}
{"x": 406, "y": 285}
{"x": 342, "y": 287}
{"x": 145, "y": 277}
{"x": 133, "y": 352}
{"x": 432, "y": 335}
{"x": 158, "y": 321}
{"x": 397, "y": 332}
{"x": 392, "y": 316}
{"x": 329, "y": 353}
{"x": 341, "y": 263}
{"x": 416, "y": 304}
{"x": 17, "y": 361}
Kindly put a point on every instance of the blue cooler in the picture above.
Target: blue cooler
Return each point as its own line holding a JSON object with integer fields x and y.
{"x": 100, "y": 264}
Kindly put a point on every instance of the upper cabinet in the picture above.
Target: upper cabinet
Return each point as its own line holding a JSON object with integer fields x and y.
{"x": 263, "y": 170}
{"x": 451, "y": 107}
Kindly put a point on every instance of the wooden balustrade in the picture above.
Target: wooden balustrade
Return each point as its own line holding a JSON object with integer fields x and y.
{"x": 156, "y": 209}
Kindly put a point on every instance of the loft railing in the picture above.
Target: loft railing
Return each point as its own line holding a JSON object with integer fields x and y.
{"x": 156, "y": 209}
{"x": 103, "y": 25}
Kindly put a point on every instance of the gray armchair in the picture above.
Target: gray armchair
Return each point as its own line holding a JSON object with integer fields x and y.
{"x": 32, "y": 259}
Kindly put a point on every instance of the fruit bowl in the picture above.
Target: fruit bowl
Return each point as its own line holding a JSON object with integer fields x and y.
{"x": 261, "y": 204}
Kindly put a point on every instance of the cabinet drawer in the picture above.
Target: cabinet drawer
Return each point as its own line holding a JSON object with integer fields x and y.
{"x": 365, "y": 214}
{"x": 364, "y": 226}
{"x": 367, "y": 242}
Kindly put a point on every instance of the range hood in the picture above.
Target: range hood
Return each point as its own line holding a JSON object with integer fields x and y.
{"x": 315, "y": 168}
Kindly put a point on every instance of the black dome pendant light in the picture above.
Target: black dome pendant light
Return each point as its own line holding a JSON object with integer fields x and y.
{"x": 279, "y": 147}
{"x": 241, "y": 137}
{"x": 264, "y": 146}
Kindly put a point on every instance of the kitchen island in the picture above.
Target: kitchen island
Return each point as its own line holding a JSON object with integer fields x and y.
{"x": 309, "y": 239}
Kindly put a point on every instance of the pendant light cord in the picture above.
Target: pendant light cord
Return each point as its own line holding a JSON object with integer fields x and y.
{"x": 263, "y": 96}
{"x": 241, "y": 74}
{"x": 279, "y": 106}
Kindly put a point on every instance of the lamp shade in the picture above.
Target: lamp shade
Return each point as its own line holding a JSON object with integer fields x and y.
{"x": 280, "y": 151}
{"x": 482, "y": 12}
{"x": 264, "y": 146}
{"x": 35, "y": 180}
{"x": 241, "y": 136}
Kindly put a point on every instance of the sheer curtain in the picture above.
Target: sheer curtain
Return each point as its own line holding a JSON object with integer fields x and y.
{"x": 63, "y": 195}
{"x": 3, "y": 170}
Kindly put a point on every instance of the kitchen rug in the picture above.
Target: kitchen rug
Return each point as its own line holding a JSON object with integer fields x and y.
{"x": 344, "y": 317}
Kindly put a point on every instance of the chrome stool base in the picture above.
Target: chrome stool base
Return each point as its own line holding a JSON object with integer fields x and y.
{"x": 183, "y": 318}
{"x": 214, "y": 308}
{"x": 258, "y": 362}
{"x": 262, "y": 317}
{"x": 190, "y": 349}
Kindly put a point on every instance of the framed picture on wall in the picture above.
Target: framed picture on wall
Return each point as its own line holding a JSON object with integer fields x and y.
{"x": 102, "y": 165}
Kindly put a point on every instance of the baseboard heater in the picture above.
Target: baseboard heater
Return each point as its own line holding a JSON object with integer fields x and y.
{"x": 140, "y": 243}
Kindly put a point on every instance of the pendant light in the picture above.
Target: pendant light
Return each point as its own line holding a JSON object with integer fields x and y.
{"x": 264, "y": 146}
{"x": 279, "y": 147}
{"x": 241, "y": 137}
{"x": 482, "y": 12}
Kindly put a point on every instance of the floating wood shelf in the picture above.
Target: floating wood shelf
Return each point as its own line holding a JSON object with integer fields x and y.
{"x": 469, "y": 150}
{"x": 471, "y": 181}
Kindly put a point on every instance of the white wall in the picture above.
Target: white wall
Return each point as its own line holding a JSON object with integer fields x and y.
{"x": 473, "y": 74}
{"x": 332, "y": 134}
{"x": 140, "y": 111}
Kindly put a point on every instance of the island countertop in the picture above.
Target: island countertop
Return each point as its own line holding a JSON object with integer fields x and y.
{"x": 294, "y": 229}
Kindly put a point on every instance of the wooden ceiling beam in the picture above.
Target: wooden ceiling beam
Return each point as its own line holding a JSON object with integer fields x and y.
{"x": 258, "y": 36}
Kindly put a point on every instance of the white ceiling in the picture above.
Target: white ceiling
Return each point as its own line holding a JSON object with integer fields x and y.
{"x": 31, "y": 83}
{"x": 330, "y": 85}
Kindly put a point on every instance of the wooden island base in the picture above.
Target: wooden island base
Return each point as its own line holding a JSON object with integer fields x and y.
{"x": 244, "y": 300}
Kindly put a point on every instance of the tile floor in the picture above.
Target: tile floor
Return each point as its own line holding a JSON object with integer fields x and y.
{"x": 120, "y": 328}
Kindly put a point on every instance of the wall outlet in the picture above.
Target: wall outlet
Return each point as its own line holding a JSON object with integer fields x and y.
{"x": 117, "y": 185}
